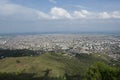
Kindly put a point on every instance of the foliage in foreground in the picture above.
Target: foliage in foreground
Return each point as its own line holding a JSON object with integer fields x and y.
{"x": 101, "y": 71}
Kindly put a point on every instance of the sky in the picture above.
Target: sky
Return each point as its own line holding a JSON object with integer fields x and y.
{"x": 22, "y": 16}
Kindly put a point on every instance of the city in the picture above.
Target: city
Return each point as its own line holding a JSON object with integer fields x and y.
{"x": 68, "y": 43}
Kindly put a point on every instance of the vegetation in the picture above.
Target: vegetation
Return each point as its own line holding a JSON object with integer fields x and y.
{"x": 16, "y": 53}
{"x": 58, "y": 66}
{"x": 101, "y": 71}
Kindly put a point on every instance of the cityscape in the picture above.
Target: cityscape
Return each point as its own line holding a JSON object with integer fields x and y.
{"x": 71, "y": 43}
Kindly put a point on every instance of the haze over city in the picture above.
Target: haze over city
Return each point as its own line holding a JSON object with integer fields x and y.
{"x": 20, "y": 16}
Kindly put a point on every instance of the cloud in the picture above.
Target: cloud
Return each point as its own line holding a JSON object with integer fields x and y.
{"x": 106, "y": 15}
{"x": 81, "y": 14}
{"x": 53, "y": 1}
{"x": 60, "y": 13}
{"x": 93, "y": 15}
{"x": 116, "y": 14}
{"x": 42, "y": 15}
{"x": 19, "y": 12}
{"x": 7, "y": 9}
{"x": 79, "y": 6}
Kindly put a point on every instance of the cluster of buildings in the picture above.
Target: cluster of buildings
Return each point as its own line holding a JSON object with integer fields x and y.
{"x": 72, "y": 43}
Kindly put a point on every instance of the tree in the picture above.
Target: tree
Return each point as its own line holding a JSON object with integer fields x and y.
{"x": 102, "y": 71}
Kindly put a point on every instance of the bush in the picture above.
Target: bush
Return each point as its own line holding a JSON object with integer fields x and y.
{"x": 102, "y": 71}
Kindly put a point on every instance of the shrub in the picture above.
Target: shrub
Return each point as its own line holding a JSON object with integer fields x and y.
{"x": 102, "y": 71}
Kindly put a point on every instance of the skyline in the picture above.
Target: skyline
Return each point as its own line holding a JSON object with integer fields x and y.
{"x": 19, "y": 16}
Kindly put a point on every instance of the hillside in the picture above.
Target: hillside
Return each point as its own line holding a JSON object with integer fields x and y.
{"x": 51, "y": 64}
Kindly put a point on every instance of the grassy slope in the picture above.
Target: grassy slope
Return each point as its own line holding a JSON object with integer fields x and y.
{"x": 58, "y": 63}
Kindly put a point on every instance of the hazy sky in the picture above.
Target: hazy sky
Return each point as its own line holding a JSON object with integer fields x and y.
{"x": 17, "y": 16}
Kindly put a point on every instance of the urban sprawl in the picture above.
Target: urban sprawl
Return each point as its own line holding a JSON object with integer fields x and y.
{"x": 68, "y": 43}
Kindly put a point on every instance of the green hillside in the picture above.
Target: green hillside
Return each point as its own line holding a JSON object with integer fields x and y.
{"x": 51, "y": 64}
